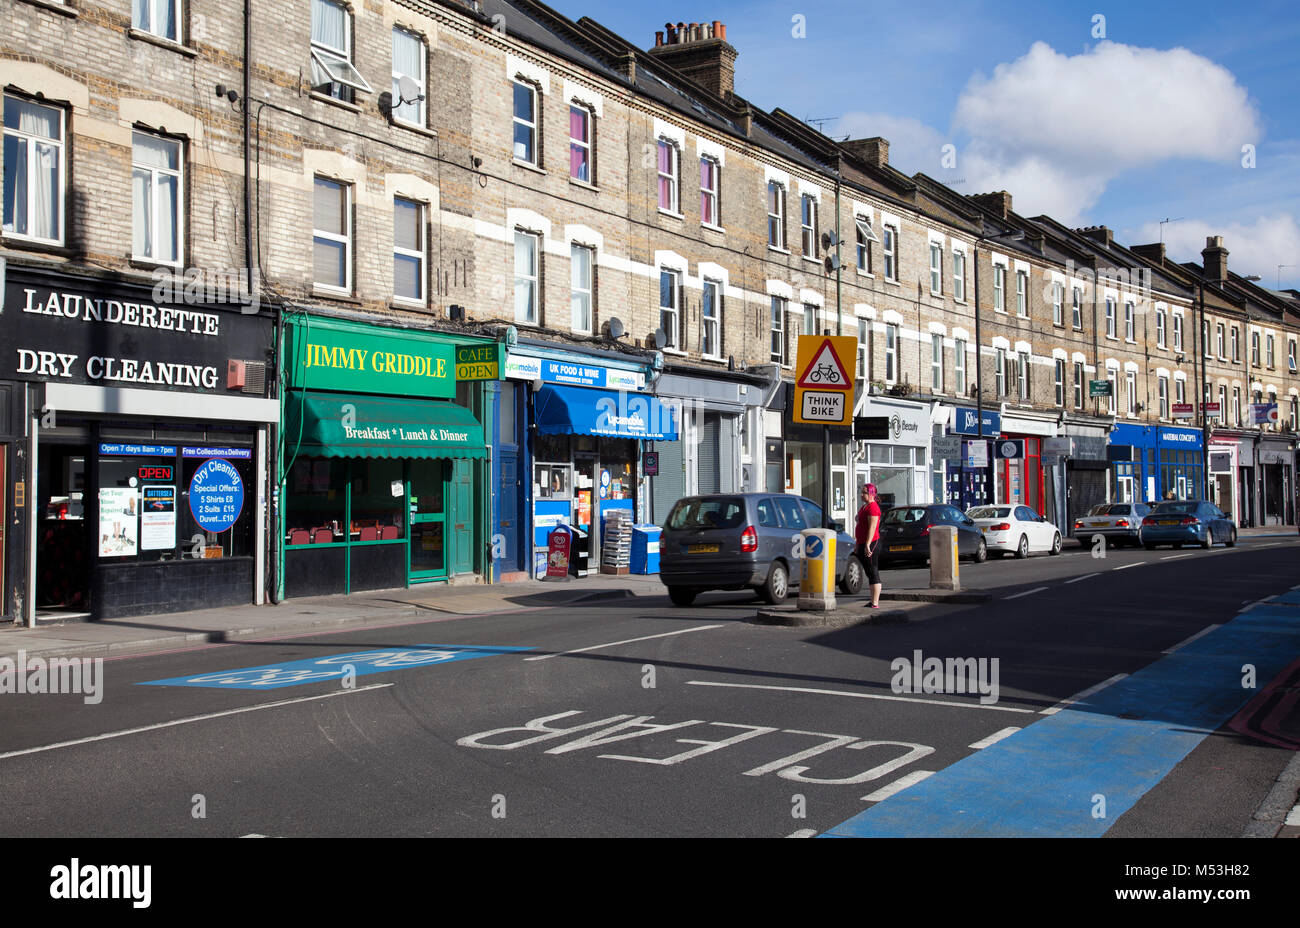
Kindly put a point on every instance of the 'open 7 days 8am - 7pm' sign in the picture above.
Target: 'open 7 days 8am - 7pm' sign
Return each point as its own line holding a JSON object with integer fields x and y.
{"x": 826, "y": 365}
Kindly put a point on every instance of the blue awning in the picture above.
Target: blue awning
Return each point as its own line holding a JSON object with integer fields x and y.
{"x": 580, "y": 411}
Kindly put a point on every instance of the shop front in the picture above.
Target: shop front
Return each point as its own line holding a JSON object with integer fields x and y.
{"x": 586, "y": 422}
{"x": 382, "y": 460}
{"x": 1150, "y": 463}
{"x": 969, "y": 479}
{"x": 1276, "y": 481}
{"x": 1223, "y": 455}
{"x": 1086, "y": 467}
{"x": 897, "y": 465}
{"x": 1021, "y": 478}
{"x": 138, "y": 464}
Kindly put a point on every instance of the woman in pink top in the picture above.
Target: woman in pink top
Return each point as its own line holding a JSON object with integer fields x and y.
{"x": 867, "y": 535}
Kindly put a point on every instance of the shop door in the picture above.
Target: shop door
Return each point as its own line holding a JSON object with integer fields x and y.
{"x": 507, "y": 506}
{"x": 585, "y": 473}
{"x": 426, "y": 495}
{"x": 462, "y": 514}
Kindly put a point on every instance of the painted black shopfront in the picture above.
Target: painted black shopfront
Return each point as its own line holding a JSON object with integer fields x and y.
{"x": 126, "y": 414}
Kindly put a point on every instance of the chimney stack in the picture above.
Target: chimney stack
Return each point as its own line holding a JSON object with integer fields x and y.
{"x": 1100, "y": 234}
{"x": 1215, "y": 258}
{"x": 700, "y": 51}
{"x": 998, "y": 202}
{"x": 874, "y": 151}
{"x": 1155, "y": 252}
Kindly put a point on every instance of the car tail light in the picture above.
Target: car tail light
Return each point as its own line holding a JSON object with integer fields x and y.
{"x": 1078, "y": 523}
{"x": 1122, "y": 523}
{"x": 925, "y": 531}
{"x": 749, "y": 539}
{"x": 1000, "y": 527}
{"x": 1191, "y": 520}
{"x": 1149, "y": 520}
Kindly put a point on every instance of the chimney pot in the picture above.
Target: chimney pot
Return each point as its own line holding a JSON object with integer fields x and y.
{"x": 659, "y": 39}
{"x": 720, "y": 31}
{"x": 706, "y": 59}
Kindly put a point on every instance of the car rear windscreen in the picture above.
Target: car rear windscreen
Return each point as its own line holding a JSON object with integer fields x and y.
{"x": 990, "y": 512}
{"x": 905, "y": 515}
{"x": 1179, "y": 507}
{"x": 708, "y": 512}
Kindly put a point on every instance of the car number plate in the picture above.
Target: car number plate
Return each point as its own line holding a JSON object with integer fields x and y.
{"x": 702, "y": 549}
{"x": 1100, "y": 524}
{"x": 1167, "y": 522}
{"x": 900, "y": 547}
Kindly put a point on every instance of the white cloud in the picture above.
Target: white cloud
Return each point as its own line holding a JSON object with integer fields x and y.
{"x": 1253, "y": 248}
{"x": 1056, "y": 129}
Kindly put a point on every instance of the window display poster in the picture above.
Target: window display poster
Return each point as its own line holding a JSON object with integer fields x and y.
{"x": 118, "y": 522}
{"x": 158, "y": 518}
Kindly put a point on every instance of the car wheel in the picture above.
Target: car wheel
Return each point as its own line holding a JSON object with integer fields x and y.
{"x": 981, "y": 552}
{"x": 1232, "y": 539}
{"x": 777, "y": 587}
{"x": 682, "y": 595}
{"x": 1022, "y": 549}
{"x": 851, "y": 584}
{"x": 1149, "y": 545}
{"x": 1056, "y": 544}
{"x": 1209, "y": 540}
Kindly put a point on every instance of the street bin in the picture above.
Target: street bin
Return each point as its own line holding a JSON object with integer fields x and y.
{"x": 645, "y": 548}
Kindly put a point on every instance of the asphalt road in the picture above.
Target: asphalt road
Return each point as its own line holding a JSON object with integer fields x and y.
{"x": 637, "y": 718}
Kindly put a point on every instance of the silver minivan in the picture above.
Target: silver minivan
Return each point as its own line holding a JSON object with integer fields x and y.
{"x": 730, "y": 541}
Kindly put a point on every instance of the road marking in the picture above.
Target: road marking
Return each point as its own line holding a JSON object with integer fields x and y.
{"x": 1078, "y": 697}
{"x": 194, "y": 718}
{"x": 902, "y": 783}
{"x": 611, "y": 644}
{"x": 803, "y": 833}
{"x": 1037, "y": 589}
{"x": 1186, "y": 641}
{"x": 806, "y": 689}
{"x": 1127, "y": 566}
{"x": 1084, "y": 577}
{"x": 335, "y": 666}
{"x": 1172, "y": 557}
{"x": 994, "y": 738}
{"x": 1293, "y": 817}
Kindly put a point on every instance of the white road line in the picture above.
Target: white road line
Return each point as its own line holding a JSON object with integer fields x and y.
{"x": 1173, "y": 557}
{"x": 805, "y": 689}
{"x": 186, "y": 721}
{"x": 1078, "y": 697}
{"x": 1037, "y": 589}
{"x": 1084, "y": 577}
{"x": 1186, "y": 641}
{"x": 803, "y": 833}
{"x": 994, "y": 738}
{"x": 1127, "y": 566}
{"x": 902, "y": 783}
{"x": 1293, "y": 817}
{"x": 597, "y": 647}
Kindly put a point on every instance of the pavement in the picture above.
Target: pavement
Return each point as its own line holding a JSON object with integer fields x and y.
{"x": 311, "y": 614}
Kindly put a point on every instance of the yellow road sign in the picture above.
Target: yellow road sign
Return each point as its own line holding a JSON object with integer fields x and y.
{"x": 827, "y": 366}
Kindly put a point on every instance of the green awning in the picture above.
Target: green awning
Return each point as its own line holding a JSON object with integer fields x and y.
{"x": 346, "y": 425}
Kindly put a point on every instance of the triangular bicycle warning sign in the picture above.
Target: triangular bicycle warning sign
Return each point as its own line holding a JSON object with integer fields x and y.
{"x": 825, "y": 371}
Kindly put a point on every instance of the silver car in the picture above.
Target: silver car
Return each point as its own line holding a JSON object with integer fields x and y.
{"x": 734, "y": 541}
{"x": 1118, "y": 523}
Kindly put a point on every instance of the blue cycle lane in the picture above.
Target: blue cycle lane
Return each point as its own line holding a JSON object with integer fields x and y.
{"x": 1045, "y": 780}
{"x": 335, "y": 666}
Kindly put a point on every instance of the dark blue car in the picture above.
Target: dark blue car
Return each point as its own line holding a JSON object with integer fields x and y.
{"x": 1187, "y": 522}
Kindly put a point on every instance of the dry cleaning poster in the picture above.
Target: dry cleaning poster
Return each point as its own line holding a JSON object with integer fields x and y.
{"x": 158, "y": 518}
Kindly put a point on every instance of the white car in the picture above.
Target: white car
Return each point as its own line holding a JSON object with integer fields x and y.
{"x": 1015, "y": 529}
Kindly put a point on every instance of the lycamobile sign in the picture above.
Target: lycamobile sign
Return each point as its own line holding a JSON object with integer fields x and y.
{"x": 328, "y": 356}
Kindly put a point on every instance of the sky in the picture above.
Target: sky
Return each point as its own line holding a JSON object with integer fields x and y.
{"x": 1094, "y": 114}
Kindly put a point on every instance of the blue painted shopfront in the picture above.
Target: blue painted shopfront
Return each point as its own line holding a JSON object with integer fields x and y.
{"x": 1148, "y": 461}
{"x": 568, "y": 446}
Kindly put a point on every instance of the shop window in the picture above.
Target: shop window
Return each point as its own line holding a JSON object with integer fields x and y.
{"x": 377, "y": 498}
{"x": 315, "y": 507}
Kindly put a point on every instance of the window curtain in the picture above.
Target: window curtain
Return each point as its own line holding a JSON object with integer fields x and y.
{"x": 35, "y": 184}
{"x": 142, "y": 209}
{"x": 577, "y": 153}
{"x": 408, "y": 60}
{"x": 665, "y": 183}
{"x": 329, "y": 25}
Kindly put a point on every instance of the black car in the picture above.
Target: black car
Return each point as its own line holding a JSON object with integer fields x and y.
{"x": 905, "y": 533}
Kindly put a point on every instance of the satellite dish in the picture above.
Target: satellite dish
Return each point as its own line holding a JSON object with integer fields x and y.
{"x": 616, "y": 329}
{"x": 659, "y": 338}
{"x": 408, "y": 90}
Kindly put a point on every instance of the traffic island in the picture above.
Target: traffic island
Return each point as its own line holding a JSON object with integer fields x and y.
{"x": 937, "y": 596}
{"x": 858, "y": 614}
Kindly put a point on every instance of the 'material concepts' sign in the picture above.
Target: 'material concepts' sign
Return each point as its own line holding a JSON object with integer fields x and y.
{"x": 326, "y": 355}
